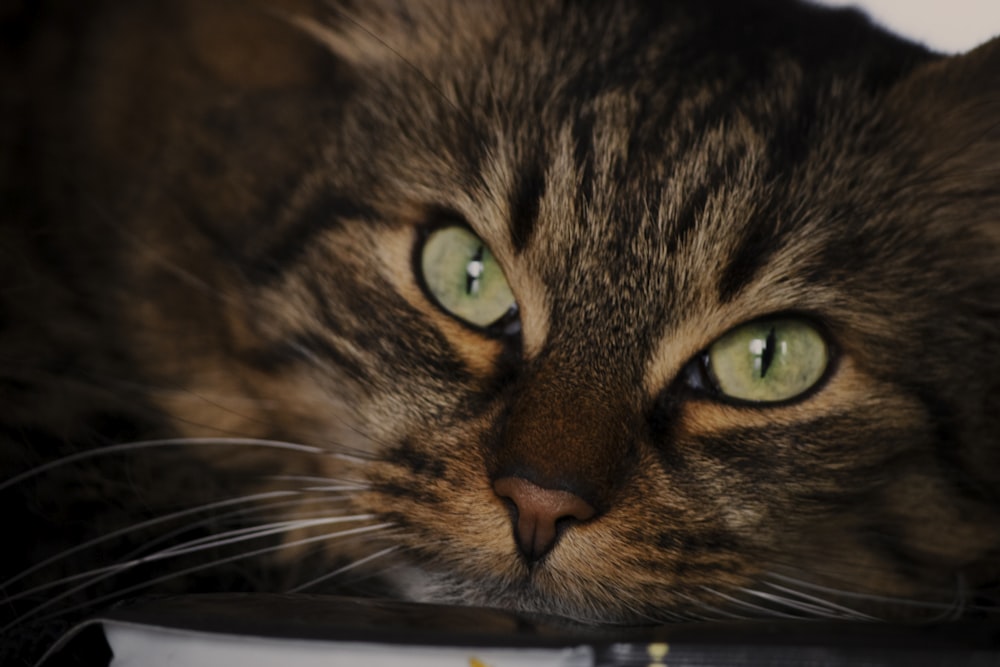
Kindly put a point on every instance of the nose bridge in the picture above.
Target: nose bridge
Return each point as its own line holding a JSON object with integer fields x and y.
{"x": 569, "y": 428}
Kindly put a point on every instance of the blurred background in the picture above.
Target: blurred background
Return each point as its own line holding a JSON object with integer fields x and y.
{"x": 949, "y": 26}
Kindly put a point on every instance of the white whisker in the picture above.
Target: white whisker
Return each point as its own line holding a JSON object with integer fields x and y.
{"x": 219, "y": 519}
{"x": 827, "y": 604}
{"x": 221, "y": 561}
{"x": 248, "y": 533}
{"x": 316, "y": 479}
{"x": 714, "y": 612}
{"x": 869, "y": 597}
{"x": 815, "y": 607}
{"x": 192, "y": 546}
{"x": 736, "y": 602}
{"x": 341, "y": 570}
{"x": 142, "y": 525}
{"x": 149, "y": 444}
{"x": 321, "y": 484}
{"x": 331, "y": 489}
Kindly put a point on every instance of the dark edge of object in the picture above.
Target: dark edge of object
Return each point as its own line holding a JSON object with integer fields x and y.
{"x": 330, "y": 618}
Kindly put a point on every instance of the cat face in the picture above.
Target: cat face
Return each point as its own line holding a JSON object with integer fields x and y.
{"x": 621, "y": 313}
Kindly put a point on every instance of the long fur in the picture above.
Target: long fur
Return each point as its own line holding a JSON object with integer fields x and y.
{"x": 212, "y": 213}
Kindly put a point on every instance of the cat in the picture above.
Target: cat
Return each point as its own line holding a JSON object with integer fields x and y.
{"x": 625, "y": 312}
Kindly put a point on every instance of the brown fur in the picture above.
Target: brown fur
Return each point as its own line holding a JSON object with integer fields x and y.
{"x": 215, "y": 209}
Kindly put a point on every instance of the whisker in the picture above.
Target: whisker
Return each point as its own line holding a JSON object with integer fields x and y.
{"x": 341, "y": 570}
{"x": 192, "y": 546}
{"x": 217, "y": 520}
{"x": 149, "y": 444}
{"x": 815, "y": 607}
{"x": 715, "y": 613}
{"x": 140, "y": 526}
{"x": 661, "y": 616}
{"x": 869, "y": 597}
{"x": 221, "y": 518}
{"x": 249, "y": 533}
{"x": 322, "y": 484}
{"x": 385, "y": 568}
{"x": 173, "y": 575}
{"x": 853, "y": 613}
{"x": 666, "y": 616}
{"x": 317, "y": 479}
{"x": 765, "y": 611}
{"x": 336, "y": 488}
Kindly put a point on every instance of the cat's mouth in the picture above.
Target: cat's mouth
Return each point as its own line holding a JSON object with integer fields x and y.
{"x": 625, "y": 596}
{"x": 589, "y": 572}
{"x": 611, "y": 567}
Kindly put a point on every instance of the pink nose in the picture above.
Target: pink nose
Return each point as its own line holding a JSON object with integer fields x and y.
{"x": 540, "y": 514}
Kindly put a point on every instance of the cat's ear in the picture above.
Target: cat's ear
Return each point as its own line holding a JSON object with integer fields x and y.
{"x": 363, "y": 36}
{"x": 374, "y": 33}
{"x": 248, "y": 44}
{"x": 153, "y": 67}
{"x": 952, "y": 108}
{"x": 215, "y": 106}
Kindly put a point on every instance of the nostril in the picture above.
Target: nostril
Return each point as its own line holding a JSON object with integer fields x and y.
{"x": 540, "y": 515}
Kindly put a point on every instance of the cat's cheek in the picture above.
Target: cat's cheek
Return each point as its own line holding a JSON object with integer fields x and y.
{"x": 939, "y": 525}
{"x": 441, "y": 532}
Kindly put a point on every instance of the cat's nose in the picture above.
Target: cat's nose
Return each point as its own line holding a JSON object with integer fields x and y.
{"x": 540, "y": 514}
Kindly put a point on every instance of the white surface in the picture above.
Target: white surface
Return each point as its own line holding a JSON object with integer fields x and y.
{"x": 949, "y": 26}
{"x": 148, "y": 646}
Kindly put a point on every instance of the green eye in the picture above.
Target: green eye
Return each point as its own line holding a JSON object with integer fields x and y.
{"x": 768, "y": 360}
{"x": 461, "y": 273}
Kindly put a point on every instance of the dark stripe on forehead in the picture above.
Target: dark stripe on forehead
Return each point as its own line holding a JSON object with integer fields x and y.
{"x": 695, "y": 200}
{"x": 788, "y": 148}
{"x": 326, "y": 211}
{"x": 583, "y": 154}
{"x": 760, "y": 242}
{"x": 525, "y": 199}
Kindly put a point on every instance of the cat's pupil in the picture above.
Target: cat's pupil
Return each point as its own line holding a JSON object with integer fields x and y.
{"x": 763, "y": 350}
{"x": 474, "y": 272}
{"x": 767, "y": 354}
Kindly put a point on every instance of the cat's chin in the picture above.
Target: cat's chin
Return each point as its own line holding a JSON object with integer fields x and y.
{"x": 558, "y": 598}
{"x": 801, "y": 599}
{"x": 418, "y": 585}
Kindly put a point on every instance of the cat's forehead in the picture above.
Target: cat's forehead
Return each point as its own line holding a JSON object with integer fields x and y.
{"x": 619, "y": 199}
{"x": 621, "y": 187}
{"x": 612, "y": 134}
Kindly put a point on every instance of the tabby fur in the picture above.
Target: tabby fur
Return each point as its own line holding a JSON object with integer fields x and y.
{"x": 209, "y": 230}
